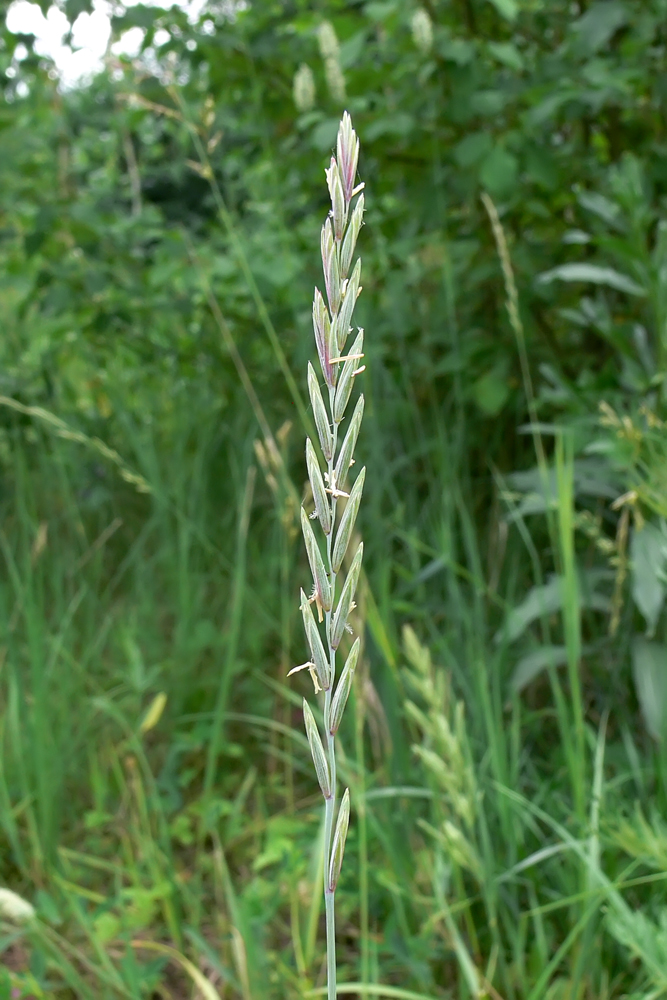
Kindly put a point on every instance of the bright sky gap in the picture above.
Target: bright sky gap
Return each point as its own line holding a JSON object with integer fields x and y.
{"x": 91, "y": 34}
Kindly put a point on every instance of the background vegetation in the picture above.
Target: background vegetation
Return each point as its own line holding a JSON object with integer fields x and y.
{"x": 159, "y": 236}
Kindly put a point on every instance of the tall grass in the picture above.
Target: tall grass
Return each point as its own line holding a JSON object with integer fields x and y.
{"x": 156, "y": 803}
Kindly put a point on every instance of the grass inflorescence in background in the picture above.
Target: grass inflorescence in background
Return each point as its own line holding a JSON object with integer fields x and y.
{"x": 333, "y": 598}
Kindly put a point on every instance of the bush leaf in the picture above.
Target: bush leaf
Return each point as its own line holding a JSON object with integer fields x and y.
{"x": 649, "y": 666}
{"x": 593, "y": 274}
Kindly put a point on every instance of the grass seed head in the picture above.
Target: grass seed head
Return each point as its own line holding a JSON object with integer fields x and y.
{"x": 346, "y": 602}
{"x": 343, "y": 688}
{"x": 332, "y": 324}
{"x": 346, "y": 453}
{"x": 347, "y": 148}
{"x": 346, "y": 525}
{"x": 330, "y": 51}
{"x": 319, "y": 657}
{"x": 331, "y": 267}
{"x": 320, "y": 414}
{"x": 317, "y": 750}
{"x": 304, "y": 88}
{"x": 338, "y": 202}
{"x": 14, "y": 908}
{"x": 346, "y": 378}
{"x": 320, "y": 576}
{"x": 322, "y": 507}
{"x": 350, "y": 296}
{"x": 340, "y": 836}
{"x": 322, "y": 328}
{"x": 422, "y": 30}
{"x": 350, "y": 241}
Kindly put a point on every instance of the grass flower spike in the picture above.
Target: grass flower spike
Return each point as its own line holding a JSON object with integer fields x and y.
{"x": 327, "y": 547}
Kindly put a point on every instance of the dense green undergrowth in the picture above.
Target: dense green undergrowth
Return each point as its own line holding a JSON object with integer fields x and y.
{"x": 504, "y": 751}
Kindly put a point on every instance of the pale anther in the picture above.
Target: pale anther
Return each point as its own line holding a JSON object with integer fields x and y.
{"x": 311, "y": 668}
{"x": 302, "y": 666}
{"x": 347, "y": 357}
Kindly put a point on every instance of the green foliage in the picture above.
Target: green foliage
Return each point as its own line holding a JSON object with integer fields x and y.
{"x": 505, "y": 758}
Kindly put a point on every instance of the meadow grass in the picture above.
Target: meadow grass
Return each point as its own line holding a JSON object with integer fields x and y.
{"x": 503, "y": 845}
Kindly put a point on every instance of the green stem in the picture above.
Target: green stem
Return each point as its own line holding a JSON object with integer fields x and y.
{"x": 329, "y": 811}
{"x": 331, "y": 944}
{"x": 243, "y": 262}
{"x": 363, "y": 841}
{"x": 226, "y": 677}
{"x": 330, "y": 804}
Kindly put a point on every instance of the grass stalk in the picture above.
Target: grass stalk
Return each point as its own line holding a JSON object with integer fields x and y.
{"x": 206, "y": 170}
{"x": 362, "y": 823}
{"x": 330, "y": 806}
{"x": 332, "y": 325}
{"x": 571, "y": 614}
{"x": 227, "y": 674}
{"x": 561, "y": 531}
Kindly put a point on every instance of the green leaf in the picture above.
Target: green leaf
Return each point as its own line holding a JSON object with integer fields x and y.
{"x": 352, "y": 49}
{"x": 491, "y": 392}
{"x": 324, "y": 134}
{"x": 507, "y": 54}
{"x": 498, "y": 173}
{"x": 594, "y": 274}
{"x": 542, "y": 600}
{"x": 488, "y": 102}
{"x": 605, "y": 209}
{"x": 648, "y": 555}
{"x": 107, "y": 925}
{"x": 600, "y": 22}
{"x": 540, "y": 165}
{"x": 380, "y": 10}
{"x": 546, "y": 599}
{"x": 541, "y": 113}
{"x": 456, "y": 50}
{"x": 649, "y": 666}
{"x": 506, "y": 8}
{"x": 47, "y": 908}
{"x": 75, "y": 7}
{"x": 396, "y": 124}
{"x": 531, "y": 665}
{"x": 139, "y": 16}
{"x": 473, "y": 148}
